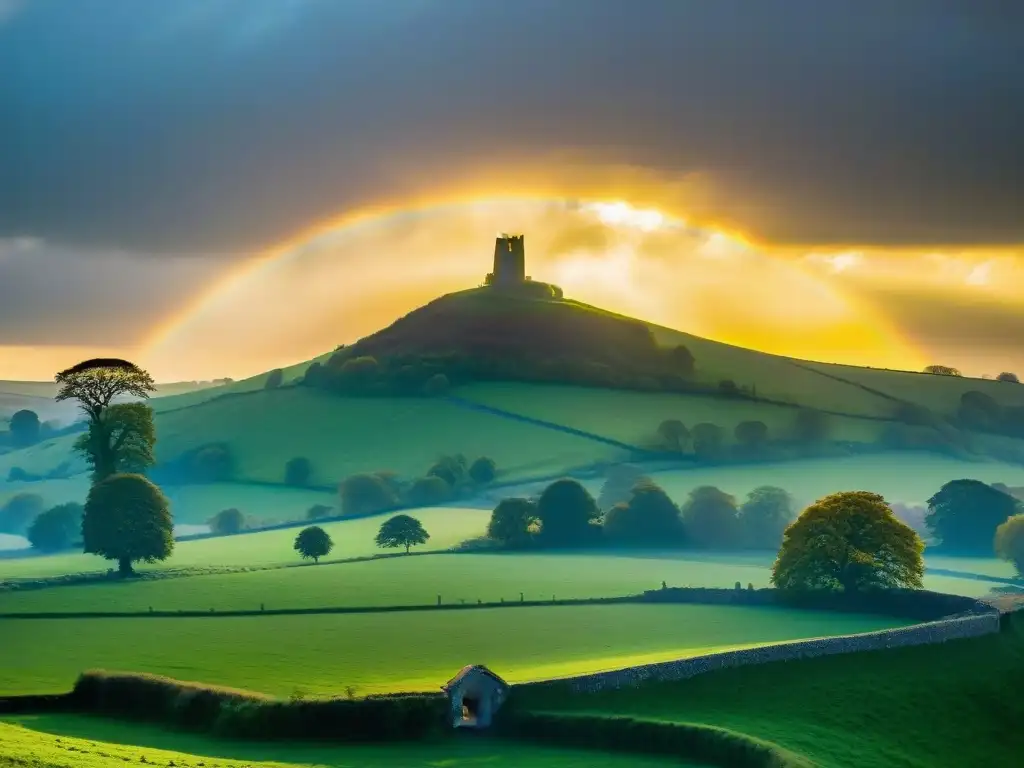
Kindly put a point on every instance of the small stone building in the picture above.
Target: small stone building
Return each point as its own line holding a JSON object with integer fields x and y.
{"x": 475, "y": 695}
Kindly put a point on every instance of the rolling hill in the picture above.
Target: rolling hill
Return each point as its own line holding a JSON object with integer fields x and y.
{"x": 541, "y": 386}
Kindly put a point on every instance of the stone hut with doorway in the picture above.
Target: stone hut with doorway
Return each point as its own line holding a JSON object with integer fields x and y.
{"x": 475, "y": 695}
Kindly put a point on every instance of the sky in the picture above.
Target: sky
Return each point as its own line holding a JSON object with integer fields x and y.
{"x": 218, "y": 187}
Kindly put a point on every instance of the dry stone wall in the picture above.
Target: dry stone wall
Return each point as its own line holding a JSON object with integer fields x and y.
{"x": 952, "y": 628}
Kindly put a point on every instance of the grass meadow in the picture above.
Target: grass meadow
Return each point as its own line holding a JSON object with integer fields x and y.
{"x": 456, "y": 578}
{"x": 380, "y": 652}
{"x": 58, "y": 741}
{"x": 936, "y": 706}
{"x": 352, "y": 538}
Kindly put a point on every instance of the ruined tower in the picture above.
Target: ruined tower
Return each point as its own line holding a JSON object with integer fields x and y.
{"x": 509, "y": 261}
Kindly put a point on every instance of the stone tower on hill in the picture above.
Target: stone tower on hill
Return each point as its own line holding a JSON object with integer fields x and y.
{"x": 509, "y": 261}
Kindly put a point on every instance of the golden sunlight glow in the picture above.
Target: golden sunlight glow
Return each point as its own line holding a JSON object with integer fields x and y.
{"x": 350, "y": 279}
{"x": 622, "y": 214}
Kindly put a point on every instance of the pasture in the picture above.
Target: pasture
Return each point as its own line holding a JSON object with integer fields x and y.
{"x": 352, "y": 538}
{"x": 934, "y": 706}
{"x": 378, "y": 652}
{"x": 633, "y": 417}
{"x": 456, "y": 578}
{"x": 57, "y": 741}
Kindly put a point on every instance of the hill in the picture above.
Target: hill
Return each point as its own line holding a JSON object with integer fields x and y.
{"x": 548, "y": 386}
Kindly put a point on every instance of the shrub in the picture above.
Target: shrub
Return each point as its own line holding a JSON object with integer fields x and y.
{"x": 57, "y": 528}
{"x": 682, "y": 361}
{"x": 210, "y": 463}
{"x": 942, "y": 370}
{"x": 313, "y": 543}
{"x": 127, "y": 519}
{"x": 401, "y": 531}
{"x": 358, "y": 374}
{"x": 1008, "y": 377}
{"x": 297, "y": 471}
{"x": 728, "y": 388}
{"x": 513, "y": 522}
{"x": 649, "y": 519}
{"x": 366, "y": 495}
{"x": 567, "y": 513}
{"x": 19, "y": 475}
{"x": 18, "y": 513}
{"x": 711, "y": 518}
{"x": 482, "y": 471}
{"x": 850, "y": 541}
{"x": 437, "y": 385}
{"x": 430, "y": 490}
{"x": 244, "y": 715}
{"x": 274, "y": 379}
{"x": 227, "y": 522}
{"x": 315, "y": 375}
{"x": 318, "y": 511}
{"x": 1009, "y": 542}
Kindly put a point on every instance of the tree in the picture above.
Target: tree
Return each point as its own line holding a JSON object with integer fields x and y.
{"x": 358, "y": 374}
{"x": 618, "y": 485}
{"x": 25, "y": 428}
{"x": 513, "y": 522}
{"x": 429, "y": 490}
{"x": 707, "y": 441}
{"x": 227, "y": 522}
{"x": 95, "y": 383}
{"x": 127, "y": 519}
{"x": 366, "y": 494}
{"x": 710, "y": 516}
{"x": 401, "y": 531}
{"x": 17, "y": 514}
{"x": 313, "y": 543}
{"x": 849, "y": 541}
{"x": 673, "y": 435}
{"x": 318, "y": 511}
{"x": 682, "y": 360}
{"x": 942, "y": 370}
{"x": 812, "y": 425}
{"x": 649, "y": 519}
{"x": 297, "y": 471}
{"x": 566, "y": 511}
{"x": 763, "y": 517}
{"x": 751, "y": 435}
{"x": 274, "y": 379}
{"x": 1006, "y": 376}
{"x": 120, "y": 440}
{"x": 57, "y": 528}
{"x": 964, "y": 515}
{"x": 210, "y": 463}
{"x": 483, "y": 471}
{"x": 1009, "y": 542}
{"x": 979, "y": 410}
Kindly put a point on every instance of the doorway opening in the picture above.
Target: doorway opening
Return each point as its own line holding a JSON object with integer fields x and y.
{"x": 470, "y": 710}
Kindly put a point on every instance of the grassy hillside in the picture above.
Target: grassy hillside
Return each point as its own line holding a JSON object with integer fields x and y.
{"x": 58, "y": 741}
{"x": 953, "y": 704}
{"x": 453, "y": 577}
{"x": 377, "y": 652}
{"x": 352, "y": 538}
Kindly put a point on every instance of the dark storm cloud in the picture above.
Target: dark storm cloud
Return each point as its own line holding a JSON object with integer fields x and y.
{"x": 228, "y": 124}
{"x": 49, "y": 295}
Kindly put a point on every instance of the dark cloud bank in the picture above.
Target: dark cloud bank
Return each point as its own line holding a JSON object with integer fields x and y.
{"x": 225, "y": 125}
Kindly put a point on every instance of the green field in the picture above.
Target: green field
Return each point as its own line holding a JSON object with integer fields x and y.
{"x": 939, "y": 706}
{"x": 352, "y": 538}
{"x": 59, "y": 741}
{"x": 633, "y": 417}
{"x": 374, "y": 652}
{"x": 455, "y": 577}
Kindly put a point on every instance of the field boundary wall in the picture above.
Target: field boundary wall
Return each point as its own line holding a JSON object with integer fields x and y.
{"x": 977, "y": 624}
